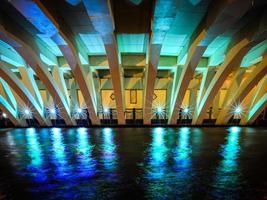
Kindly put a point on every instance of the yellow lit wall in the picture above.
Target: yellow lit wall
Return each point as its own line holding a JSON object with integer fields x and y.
{"x": 106, "y": 100}
{"x": 161, "y": 98}
{"x": 139, "y": 99}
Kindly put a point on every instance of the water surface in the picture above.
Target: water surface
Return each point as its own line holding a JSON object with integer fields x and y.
{"x": 133, "y": 163}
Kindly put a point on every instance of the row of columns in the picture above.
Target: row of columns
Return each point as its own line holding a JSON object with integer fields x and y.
{"x": 208, "y": 29}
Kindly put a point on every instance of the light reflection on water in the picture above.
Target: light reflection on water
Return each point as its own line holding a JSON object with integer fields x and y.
{"x": 168, "y": 171}
{"x": 36, "y": 156}
{"x": 90, "y": 163}
{"x": 157, "y": 162}
{"x": 59, "y": 155}
{"x": 109, "y": 155}
{"x": 84, "y": 148}
{"x": 183, "y": 163}
{"x": 228, "y": 173}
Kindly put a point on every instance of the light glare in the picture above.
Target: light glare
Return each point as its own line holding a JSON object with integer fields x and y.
{"x": 52, "y": 111}
{"x": 79, "y": 110}
{"x": 238, "y": 110}
{"x": 159, "y": 110}
{"x": 186, "y": 111}
{"x": 27, "y": 111}
{"x": 106, "y": 110}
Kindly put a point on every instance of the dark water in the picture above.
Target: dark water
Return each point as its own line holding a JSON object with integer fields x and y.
{"x": 133, "y": 163}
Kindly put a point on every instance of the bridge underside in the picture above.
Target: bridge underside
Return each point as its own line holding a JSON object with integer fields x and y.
{"x": 91, "y": 62}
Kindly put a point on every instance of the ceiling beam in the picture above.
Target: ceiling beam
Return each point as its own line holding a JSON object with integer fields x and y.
{"x": 150, "y": 78}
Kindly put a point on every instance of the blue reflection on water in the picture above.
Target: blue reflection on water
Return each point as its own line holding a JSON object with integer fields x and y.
{"x": 36, "y": 156}
{"x": 183, "y": 164}
{"x": 156, "y": 167}
{"x": 228, "y": 173}
{"x": 169, "y": 167}
{"x": 109, "y": 154}
{"x": 158, "y": 151}
{"x": 183, "y": 152}
{"x": 58, "y": 155}
{"x": 87, "y": 163}
{"x": 65, "y": 164}
{"x": 34, "y": 150}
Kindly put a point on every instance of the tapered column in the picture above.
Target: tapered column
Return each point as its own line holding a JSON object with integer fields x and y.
{"x": 80, "y": 78}
{"x": 151, "y": 73}
{"x": 117, "y": 78}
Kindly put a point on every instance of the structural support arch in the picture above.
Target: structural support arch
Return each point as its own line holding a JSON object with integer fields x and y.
{"x": 215, "y": 22}
{"x": 151, "y": 73}
{"x": 15, "y": 36}
{"x": 13, "y": 81}
{"x": 103, "y": 23}
{"x": 242, "y": 42}
{"x": 154, "y": 49}
{"x": 65, "y": 40}
{"x": 239, "y": 95}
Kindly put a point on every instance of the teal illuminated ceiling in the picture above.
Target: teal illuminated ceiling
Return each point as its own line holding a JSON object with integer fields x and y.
{"x": 93, "y": 43}
{"x": 216, "y": 44}
{"x": 216, "y": 50}
{"x": 132, "y": 43}
{"x": 173, "y": 44}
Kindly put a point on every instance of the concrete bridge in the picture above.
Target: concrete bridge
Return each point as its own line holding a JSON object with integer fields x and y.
{"x": 92, "y": 62}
